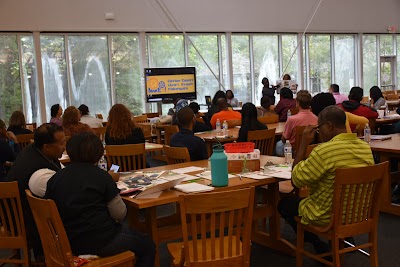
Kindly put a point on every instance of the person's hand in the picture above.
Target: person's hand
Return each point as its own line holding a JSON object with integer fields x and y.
{"x": 309, "y": 134}
{"x": 12, "y": 136}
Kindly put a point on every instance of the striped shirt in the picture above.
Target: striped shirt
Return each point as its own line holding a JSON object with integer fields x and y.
{"x": 318, "y": 173}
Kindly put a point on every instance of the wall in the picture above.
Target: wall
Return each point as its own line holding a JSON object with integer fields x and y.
{"x": 365, "y": 16}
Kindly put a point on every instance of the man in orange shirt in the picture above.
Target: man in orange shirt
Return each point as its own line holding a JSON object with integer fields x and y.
{"x": 225, "y": 114}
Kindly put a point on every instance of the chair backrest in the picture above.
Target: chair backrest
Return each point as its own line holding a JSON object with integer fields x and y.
{"x": 299, "y": 135}
{"x": 12, "y": 232}
{"x": 57, "y": 250}
{"x": 371, "y": 123}
{"x": 100, "y": 132}
{"x": 364, "y": 100}
{"x": 151, "y": 115}
{"x": 128, "y": 157}
{"x": 310, "y": 149}
{"x": 233, "y": 123}
{"x": 223, "y": 216}
{"x": 168, "y": 132}
{"x": 264, "y": 140}
{"x": 392, "y": 97}
{"x": 273, "y": 118}
{"x": 140, "y": 119}
{"x": 176, "y": 154}
{"x": 357, "y": 192}
{"x": 31, "y": 126}
{"x": 99, "y": 116}
{"x": 200, "y": 119}
{"x": 24, "y": 140}
{"x": 294, "y": 111}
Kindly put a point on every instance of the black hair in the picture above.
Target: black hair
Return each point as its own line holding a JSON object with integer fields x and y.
{"x": 265, "y": 79}
{"x": 45, "y": 134}
{"x": 185, "y": 116}
{"x": 304, "y": 99}
{"x": 218, "y": 94}
{"x": 286, "y": 93}
{"x": 249, "y": 120}
{"x": 333, "y": 114}
{"x": 229, "y": 91}
{"x": 321, "y": 101}
{"x": 54, "y": 110}
{"x": 335, "y": 87}
{"x": 84, "y": 109}
{"x": 85, "y": 147}
{"x": 195, "y": 107}
{"x": 375, "y": 93}
{"x": 265, "y": 103}
{"x": 356, "y": 94}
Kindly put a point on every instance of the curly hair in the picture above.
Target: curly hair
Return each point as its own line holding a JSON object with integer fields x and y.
{"x": 17, "y": 120}
{"x": 120, "y": 124}
{"x": 71, "y": 116}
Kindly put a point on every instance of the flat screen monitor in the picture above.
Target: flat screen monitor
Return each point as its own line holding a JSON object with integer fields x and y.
{"x": 164, "y": 84}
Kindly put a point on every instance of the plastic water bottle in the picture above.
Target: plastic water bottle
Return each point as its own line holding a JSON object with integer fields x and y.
{"x": 103, "y": 163}
{"x": 288, "y": 153}
{"x": 218, "y": 126}
{"x": 225, "y": 128}
{"x": 386, "y": 110}
{"x": 367, "y": 133}
{"x": 289, "y": 113}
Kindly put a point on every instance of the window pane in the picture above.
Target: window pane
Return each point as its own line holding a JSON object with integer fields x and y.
{"x": 10, "y": 85}
{"x": 344, "y": 62}
{"x": 320, "y": 62}
{"x": 166, "y": 51}
{"x": 386, "y": 43}
{"x": 289, "y": 43}
{"x": 54, "y": 72}
{"x": 206, "y": 83}
{"x": 90, "y": 78}
{"x": 370, "y": 66}
{"x": 241, "y": 68}
{"x": 126, "y": 72}
{"x": 32, "y": 104}
{"x": 266, "y": 63}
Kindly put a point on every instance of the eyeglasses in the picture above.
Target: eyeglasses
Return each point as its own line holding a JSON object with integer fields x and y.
{"x": 319, "y": 125}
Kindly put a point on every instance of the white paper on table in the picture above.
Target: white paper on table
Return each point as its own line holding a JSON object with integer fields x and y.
{"x": 256, "y": 175}
{"x": 193, "y": 188}
{"x": 186, "y": 177}
{"x": 280, "y": 168}
{"x": 187, "y": 169}
{"x": 283, "y": 175}
{"x": 207, "y": 175}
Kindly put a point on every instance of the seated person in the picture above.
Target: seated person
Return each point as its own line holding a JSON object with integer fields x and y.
{"x": 18, "y": 124}
{"x": 285, "y": 103}
{"x": 186, "y": 138}
{"x": 303, "y": 118}
{"x": 91, "y": 208}
{"x": 214, "y": 106}
{"x": 339, "y": 98}
{"x": 87, "y": 119}
{"x": 265, "y": 109}
{"x": 120, "y": 128}
{"x": 377, "y": 99}
{"x": 231, "y": 99}
{"x": 339, "y": 150}
{"x": 249, "y": 122}
{"x": 9, "y": 148}
{"x": 179, "y": 105}
{"x": 225, "y": 114}
{"x": 268, "y": 91}
{"x": 56, "y": 112}
{"x": 72, "y": 124}
{"x": 323, "y": 100}
{"x": 355, "y": 107}
{"x": 200, "y": 126}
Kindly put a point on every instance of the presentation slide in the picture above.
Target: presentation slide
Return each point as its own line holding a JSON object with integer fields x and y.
{"x": 170, "y": 84}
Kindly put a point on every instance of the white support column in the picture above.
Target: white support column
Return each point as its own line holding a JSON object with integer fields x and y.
{"x": 39, "y": 72}
{"x": 143, "y": 64}
{"x": 358, "y": 72}
{"x": 229, "y": 65}
{"x": 253, "y": 89}
{"x": 300, "y": 62}
{"x": 111, "y": 65}
{"x": 333, "y": 72}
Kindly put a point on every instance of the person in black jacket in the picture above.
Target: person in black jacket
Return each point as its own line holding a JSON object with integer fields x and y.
{"x": 18, "y": 124}
{"x": 200, "y": 126}
{"x": 44, "y": 153}
{"x": 249, "y": 122}
{"x": 9, "y": 148}
{"x": 268, "y": 91}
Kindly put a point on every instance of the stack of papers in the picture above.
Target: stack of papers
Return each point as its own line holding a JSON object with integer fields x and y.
{"x": 187, "y": 170}
{"x": 193, "y": 188}
{"x": 379, "y": 137}
{"x": 207, "y": 175}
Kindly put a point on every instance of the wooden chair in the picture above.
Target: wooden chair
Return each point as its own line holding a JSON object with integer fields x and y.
{"x": 274, "y": 118}
{"x": 226, "y": 217}
{"x": 12, "y": 231}
{"x": 57, "y": 249}
{"x": 349, "y": 217}
{"x": 364, "y": 100}
{"x": 371, "y": 123}
{"x": 294, "y": 111}
{"x": 128, "y": 157}
{"x": 176, "y": 154}
{"x": 100, "y": 132}
{"x": 232, "y": 123}
{"x": 99, "y": 116}
{"x": 24, "y": 140}
{"x": 299, "y": 135}
{"x": 151, "y": 115}
{"x": 31, "y": 126}
{"x": 264, "y": 140}
{"x": 168, "y": 132}
{"x": 140, "y": 119}
{"x": 392, "y": 97}
{"x": 146, "y": 128}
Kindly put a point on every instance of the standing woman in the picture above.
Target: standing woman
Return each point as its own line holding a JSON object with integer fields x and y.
{"x": 18, "y": 124}
{"x": 56, "y": 112}
{"x": 268, "y": 91}
{"x": 249, "y": 122}
{"x": 120, "y": 128}
{"x": 377, "y": 99}
{"x": 230, "y": 98}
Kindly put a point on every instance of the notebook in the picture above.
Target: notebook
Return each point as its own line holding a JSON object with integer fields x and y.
{"x": 193, "y": 188}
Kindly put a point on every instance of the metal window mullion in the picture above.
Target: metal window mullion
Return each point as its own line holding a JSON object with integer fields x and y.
{"x": 359, "y": 60}
{"x": 307, "y": 59}
{"x": 300, "y": 62}
{"x": 40, "y": 78}
{"x": 186, "y": 49}
{"x": 111, "y": 65}
{"x": 395, "y": 44}
{"x": 229, "y": 64}
{"x": 378, "y": 58}
{"x": 21, "y": 72}
{"x": 66, "y": 48}
{"x": 220, "y": 62}
{"x": 280, "y": 56}
{"x": 333, "y": 71}
{"x": 144, "y": 62}
{"x": 252, "y": 76}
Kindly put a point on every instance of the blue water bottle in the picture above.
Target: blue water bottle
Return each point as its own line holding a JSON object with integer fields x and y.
{"x": 219, "y": 167}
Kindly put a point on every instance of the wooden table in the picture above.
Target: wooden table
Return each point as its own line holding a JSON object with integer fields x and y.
{"x": 392, "y": 104}
{"x": 167, "y": 229}
{"x": 150, "y": 147}
{"x": 392, "y": 118}
{"x": 388, "y": 149}
{"x": 158, "y": 128}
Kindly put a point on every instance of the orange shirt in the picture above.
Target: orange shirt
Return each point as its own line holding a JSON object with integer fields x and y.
{"x": 225, "y": 115}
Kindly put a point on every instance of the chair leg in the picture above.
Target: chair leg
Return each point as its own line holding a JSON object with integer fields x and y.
{"x": 300, "y": 245}
{"x": 373, "y": 238}
{"x": 335, "y": 252}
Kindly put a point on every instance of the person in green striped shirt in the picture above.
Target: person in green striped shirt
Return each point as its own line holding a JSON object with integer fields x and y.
{"x": 339, "y": 150}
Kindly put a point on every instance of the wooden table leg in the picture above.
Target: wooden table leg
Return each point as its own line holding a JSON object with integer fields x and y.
{"x": 151, "y": 223}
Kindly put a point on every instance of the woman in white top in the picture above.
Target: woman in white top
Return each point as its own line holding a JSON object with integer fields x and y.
{"x": 230, "y": 98}
{"x": 87, "y": 119}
